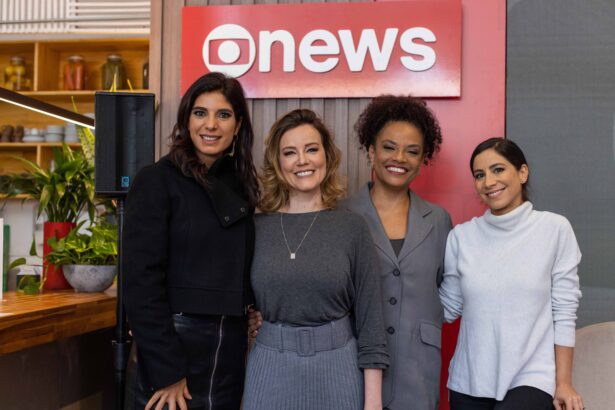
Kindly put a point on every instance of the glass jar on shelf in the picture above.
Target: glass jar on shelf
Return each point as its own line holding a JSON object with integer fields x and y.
{"x": 74, "y": 73}
{"x": 15, "y": 77}
{"x": 113, "y": 71}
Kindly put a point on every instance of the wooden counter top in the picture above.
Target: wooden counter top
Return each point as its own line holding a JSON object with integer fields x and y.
{"x": 27, "y": 320}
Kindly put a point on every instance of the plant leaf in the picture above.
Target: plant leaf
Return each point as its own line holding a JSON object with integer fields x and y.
{"x": 17, "y": 262}
{"x": 29, "y": 284}
{"x": 33, "y": 247}
{"x": 44, "y": 201}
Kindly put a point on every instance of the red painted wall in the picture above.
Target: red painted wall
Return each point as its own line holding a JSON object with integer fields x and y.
{"x": 479, "y": 114}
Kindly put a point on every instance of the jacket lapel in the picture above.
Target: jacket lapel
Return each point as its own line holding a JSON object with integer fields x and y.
{"x": 362, "y": 204}
{"x": 418, "y": 228}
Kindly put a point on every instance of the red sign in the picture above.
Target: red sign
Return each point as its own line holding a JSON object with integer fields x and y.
{"x": 328, "y": 49}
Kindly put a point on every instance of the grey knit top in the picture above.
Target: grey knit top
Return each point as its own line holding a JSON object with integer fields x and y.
{"x": 333, "y": 275}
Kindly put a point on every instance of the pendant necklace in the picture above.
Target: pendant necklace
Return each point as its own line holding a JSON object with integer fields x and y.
{"x": 292, "y": 254}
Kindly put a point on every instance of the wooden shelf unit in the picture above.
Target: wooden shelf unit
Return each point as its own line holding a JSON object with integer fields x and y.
{"x": 51, "y": 56}
{"x": 23, "y": 49}
{"x": 40, "y": 153}
{"x": 45, "y": 62}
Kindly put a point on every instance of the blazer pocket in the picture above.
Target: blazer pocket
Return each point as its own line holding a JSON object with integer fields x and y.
{"x": 431, "y": 334}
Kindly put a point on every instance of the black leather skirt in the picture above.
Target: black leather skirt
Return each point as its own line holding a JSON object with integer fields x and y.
{"x": 216, "y": 347}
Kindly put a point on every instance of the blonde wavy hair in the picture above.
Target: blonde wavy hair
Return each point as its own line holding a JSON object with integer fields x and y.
{"x": 275, "y": 189}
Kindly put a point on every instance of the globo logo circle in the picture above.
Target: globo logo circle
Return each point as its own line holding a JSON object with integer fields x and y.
{"x": 228, "y": 51}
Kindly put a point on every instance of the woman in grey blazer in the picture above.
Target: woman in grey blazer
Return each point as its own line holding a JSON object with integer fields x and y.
{"x": 401, "y": 134}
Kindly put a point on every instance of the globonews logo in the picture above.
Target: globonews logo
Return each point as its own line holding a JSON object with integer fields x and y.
{"x": 358, "y": 49}
{"x": 231, "y": 49}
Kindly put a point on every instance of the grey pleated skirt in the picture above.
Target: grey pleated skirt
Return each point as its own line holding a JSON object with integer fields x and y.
{"x": 304, "y": 368}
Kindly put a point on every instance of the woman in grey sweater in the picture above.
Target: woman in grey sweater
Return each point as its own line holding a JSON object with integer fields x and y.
{"x": 315, "y": 280}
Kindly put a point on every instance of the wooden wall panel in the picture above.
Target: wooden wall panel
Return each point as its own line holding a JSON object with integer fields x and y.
{"x": 339, "y": 114}
{"x": 155, "y": 61}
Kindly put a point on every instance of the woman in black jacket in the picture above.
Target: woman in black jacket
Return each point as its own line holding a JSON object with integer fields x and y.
{"x": 189, "y": 239}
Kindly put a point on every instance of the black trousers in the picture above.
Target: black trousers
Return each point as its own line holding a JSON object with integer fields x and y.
{"x": 519, "y": 398}
{"x": 216, "y": 347}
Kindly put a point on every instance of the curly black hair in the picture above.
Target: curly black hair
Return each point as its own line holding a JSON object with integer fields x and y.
{"x": 387, "y": 108}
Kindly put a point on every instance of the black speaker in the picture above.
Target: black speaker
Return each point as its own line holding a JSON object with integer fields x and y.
{"x": 124, "y": 139}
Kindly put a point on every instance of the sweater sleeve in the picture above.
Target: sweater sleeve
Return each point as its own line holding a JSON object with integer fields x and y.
{"x": 565, "y": 293}
{"x": 368, "y": 304}
{"x": 448, "y": 225}
{"x": 146, "y": 237}
{"x": 450, "y": 288}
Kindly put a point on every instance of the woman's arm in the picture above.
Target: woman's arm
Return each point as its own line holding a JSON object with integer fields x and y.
{"x": 373, "y": 389}
{"x": 146, "y": 238}
{"x": 565, "y": 296}
{"x": 450, "y": 288}
{"x": 565, "y": 287}
{"x": 566, "y": 397}
{"x": 369, "y": 322}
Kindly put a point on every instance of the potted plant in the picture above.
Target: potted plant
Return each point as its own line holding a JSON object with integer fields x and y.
{"x": 89, "y": 261}
{"x": 63, "y": 193}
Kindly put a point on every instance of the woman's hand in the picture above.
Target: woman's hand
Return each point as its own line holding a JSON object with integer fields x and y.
{"x": 567, "y": 398}
{"x": 255, "y": 321}
{"x": 173, "y": 395}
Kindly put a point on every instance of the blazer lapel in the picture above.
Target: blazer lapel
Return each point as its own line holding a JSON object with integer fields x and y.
{"x": 362, "y": 204}
{"x": 418, "y": 228}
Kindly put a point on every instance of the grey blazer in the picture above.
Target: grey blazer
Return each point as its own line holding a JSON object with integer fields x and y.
{"x": 411, "y": 305}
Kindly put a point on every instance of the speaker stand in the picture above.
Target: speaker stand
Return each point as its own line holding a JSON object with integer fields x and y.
{"x": 121, "y": 344}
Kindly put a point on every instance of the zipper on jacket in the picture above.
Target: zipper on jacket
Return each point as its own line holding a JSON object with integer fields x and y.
{"x": 213, "y": 371}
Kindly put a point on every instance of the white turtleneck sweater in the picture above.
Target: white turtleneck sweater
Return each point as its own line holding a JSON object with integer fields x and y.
{"x": 513, "y": 279}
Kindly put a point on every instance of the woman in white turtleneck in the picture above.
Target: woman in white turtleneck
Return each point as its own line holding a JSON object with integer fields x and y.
{"x": 512, "y": 277}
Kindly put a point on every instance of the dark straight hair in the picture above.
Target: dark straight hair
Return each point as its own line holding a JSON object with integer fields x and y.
{"x": 182, "y": 149}
{"x": 509, "y": 150}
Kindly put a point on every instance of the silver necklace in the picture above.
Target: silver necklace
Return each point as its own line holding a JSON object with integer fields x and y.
{"x": 293, "y": 255}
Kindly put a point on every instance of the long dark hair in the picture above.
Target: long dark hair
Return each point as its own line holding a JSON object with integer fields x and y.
{"x": 509, "y": 150}
{"x": 182, "y": 151}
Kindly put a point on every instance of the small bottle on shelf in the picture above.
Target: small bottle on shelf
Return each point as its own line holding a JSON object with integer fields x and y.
{"x": 74, "y": 73}
{"x": 15, "y": 75}
{"x": 113, "y": 70}
{"x": 6, "y": 133}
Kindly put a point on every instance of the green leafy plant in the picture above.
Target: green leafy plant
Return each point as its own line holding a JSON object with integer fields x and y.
{"x": 28, "y": 284}
{"x": 97, "y": 248}
{"x": 86, "y": 137}
{"x": 63, "y": 192}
